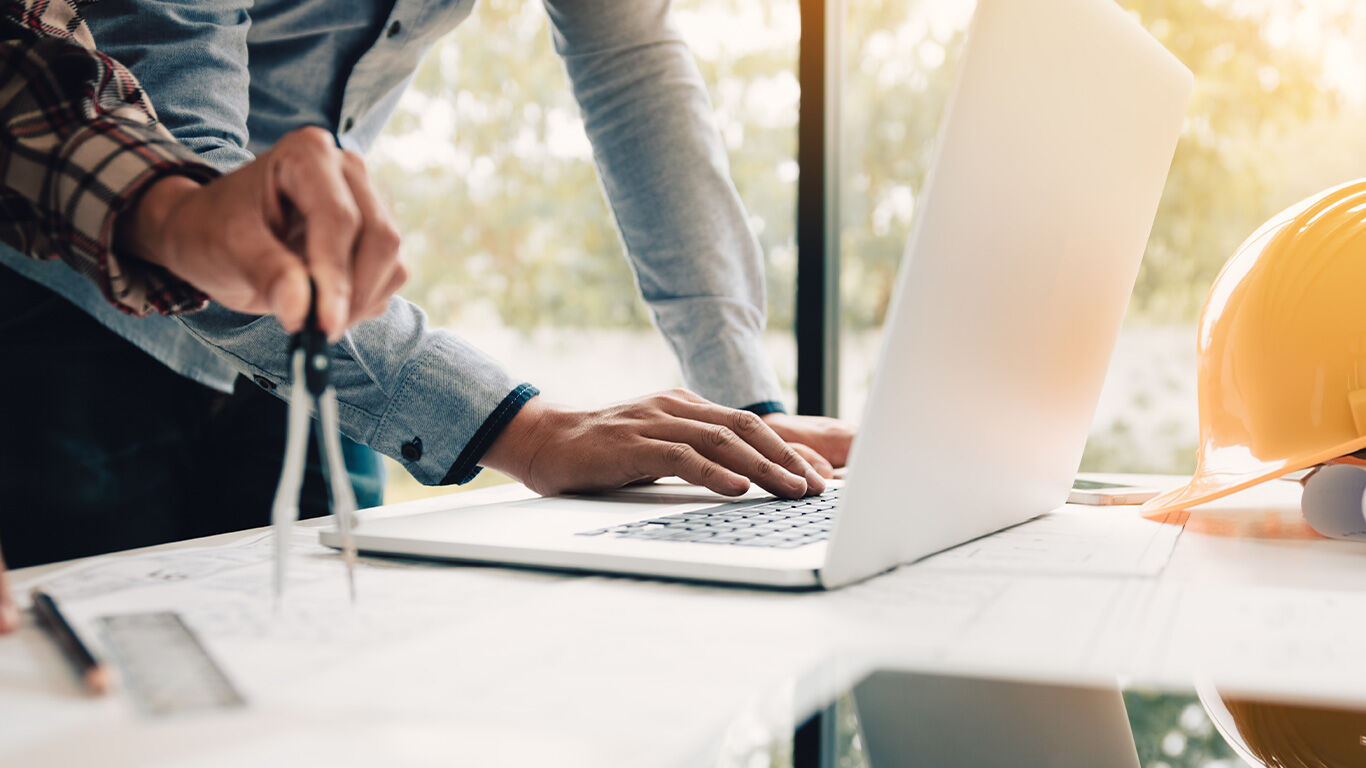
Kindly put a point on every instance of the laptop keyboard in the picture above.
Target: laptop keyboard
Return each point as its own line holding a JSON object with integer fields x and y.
{"x": 781, "y": 524}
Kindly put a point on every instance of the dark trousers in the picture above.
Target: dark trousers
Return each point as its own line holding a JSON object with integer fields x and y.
{"x": 103, "y": 448}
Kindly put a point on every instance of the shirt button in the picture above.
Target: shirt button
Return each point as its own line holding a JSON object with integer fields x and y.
{"x": 394, "y": 29}
{"x": 412, "y": 450}
{"x": 264, "y": 383}
{"x": 348, "y": 123}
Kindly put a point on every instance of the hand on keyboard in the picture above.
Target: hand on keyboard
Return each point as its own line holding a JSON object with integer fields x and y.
{"x": 558, "y": 450}
{"x": 822, "y": 441}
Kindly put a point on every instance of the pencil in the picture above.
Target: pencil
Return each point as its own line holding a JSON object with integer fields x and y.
{"x": 93, "y": 674}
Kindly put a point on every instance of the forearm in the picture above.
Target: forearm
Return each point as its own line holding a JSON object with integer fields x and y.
{"x": 665, "y": 172}
{"x": 79, "y": 146}
{"x": 423, "y": 397}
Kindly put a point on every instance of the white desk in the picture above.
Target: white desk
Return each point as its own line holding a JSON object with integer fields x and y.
{"x": 506, "y": 667}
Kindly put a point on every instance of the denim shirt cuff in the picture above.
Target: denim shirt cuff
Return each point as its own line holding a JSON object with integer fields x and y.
{"x": 448, "y": 407}
{"x": 765, "y": 408}
{"x": 731, "y": 368}
{"x": 466, "y": 465}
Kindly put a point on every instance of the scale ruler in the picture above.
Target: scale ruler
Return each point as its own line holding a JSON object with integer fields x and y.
{"x": 163, "y": 665}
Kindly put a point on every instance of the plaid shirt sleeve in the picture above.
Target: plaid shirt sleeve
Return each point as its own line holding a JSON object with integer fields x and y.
{"x": 79, "y": 143}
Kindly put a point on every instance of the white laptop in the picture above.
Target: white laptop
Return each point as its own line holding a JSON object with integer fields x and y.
{"x": 1051, "y": 160}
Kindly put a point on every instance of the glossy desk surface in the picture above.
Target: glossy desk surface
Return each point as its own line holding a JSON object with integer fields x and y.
{"x": 490, "y": 666}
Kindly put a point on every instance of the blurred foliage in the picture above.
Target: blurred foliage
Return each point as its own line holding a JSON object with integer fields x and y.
{"x": 1250, "y": 95}
{"x": 492, "y": 179}
{"x": 900, "y": 71}
{"x": 1114, "y": 447}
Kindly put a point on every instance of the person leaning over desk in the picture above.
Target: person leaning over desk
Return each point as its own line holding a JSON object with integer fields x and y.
{"x": 88, "y": 176}
{"x": 235, "y": 76}
{"x": 442, "y": 408}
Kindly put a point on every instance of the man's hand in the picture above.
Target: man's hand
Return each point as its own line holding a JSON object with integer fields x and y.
{"x": 9, "y": 610}
{"x": 822, "y": 441}
{"x": 557, "y": 450}
{"x": 251, "y": 239}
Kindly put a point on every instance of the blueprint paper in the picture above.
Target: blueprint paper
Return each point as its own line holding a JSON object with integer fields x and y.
{"x": 224, "y": 594}
{"x": 1073, "y": 540}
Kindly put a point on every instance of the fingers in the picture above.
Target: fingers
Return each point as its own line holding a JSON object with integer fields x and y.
{"x": 664, "y": 459}
{"x": 9, "y": 610}
{"x": 267, "y": 277}
{"x": 751, "y": 430}
{"x": 719, "y": 445}
{"x": 813, "y": 457}
{"x": 254, "y": 238}
{"x": 308, "y": 173}
{"x": 375, "y": 262}
{"x": 833, "y": 441}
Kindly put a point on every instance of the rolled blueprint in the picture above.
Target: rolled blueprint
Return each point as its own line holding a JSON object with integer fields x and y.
{"x": 1334, "y": 501}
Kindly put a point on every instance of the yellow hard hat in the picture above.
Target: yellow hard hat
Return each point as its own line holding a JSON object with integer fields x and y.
{"x": 1282, "y": 346}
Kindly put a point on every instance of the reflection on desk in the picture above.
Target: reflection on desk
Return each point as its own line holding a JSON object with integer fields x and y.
{"x": 910, "y": 718}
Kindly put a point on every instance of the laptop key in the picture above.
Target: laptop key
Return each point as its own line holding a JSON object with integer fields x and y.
{"x": 653, "y": 532}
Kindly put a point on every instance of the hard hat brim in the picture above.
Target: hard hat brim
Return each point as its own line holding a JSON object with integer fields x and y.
{"x": 1207, "y": 486}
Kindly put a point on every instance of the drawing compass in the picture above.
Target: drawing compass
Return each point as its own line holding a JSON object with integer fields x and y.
{"x": 312, "y": 393}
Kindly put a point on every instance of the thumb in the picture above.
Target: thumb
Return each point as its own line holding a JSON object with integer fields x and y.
{"x": 282, "y": 280}
{"x": 832, "y": 439}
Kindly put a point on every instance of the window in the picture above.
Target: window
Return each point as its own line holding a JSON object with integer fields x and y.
{"x": 900, "y": 65}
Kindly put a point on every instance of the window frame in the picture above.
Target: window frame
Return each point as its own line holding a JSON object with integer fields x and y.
{"x": 817, "y": 310}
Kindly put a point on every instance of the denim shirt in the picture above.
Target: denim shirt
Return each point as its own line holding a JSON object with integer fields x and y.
{"x": 230, "y": 77}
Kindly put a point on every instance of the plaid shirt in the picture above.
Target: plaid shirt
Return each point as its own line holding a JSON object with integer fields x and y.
{"x": 79, "y": 142}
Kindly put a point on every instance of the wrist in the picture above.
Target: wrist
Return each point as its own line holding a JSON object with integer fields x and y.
{"x": 515, "y": 448}
{"x": 142, "y": 230}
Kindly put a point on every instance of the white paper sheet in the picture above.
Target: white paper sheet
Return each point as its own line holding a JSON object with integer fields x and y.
{"x": 225, "y": 595}
{"x": 1295, "y": 641}
{"x": 1114, "y": 541}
